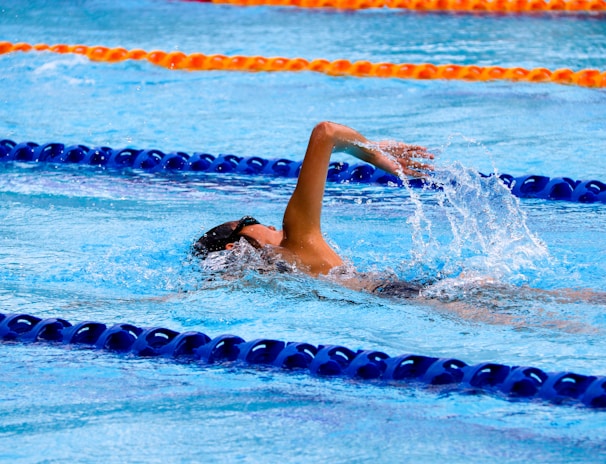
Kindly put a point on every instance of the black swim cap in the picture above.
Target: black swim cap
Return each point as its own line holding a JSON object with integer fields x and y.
{"x": 217, "y": 238}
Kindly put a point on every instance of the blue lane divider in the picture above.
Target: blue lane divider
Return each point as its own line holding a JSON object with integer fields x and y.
{"x": 528, "y": 186}
{"x": 519, "y": 382}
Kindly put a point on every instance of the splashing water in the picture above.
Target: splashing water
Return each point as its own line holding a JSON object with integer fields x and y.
{"x": 242, "y": 258}
{"x": 488, "y": 236}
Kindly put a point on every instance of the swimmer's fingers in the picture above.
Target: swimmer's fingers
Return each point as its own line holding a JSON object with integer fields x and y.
{"x": 405, "y": 172}
{"x": 404, "y": 150}
{"x": 421, "y": 152}
{"x": 410, "y": 173}
{"x": 412, "y": 163}
{"x": 414, "y": 168}
{"x": 403, "y": 159}
{"x": 415, "y": 151}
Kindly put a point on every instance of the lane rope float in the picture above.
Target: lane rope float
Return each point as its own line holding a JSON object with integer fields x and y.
{"x": 516, "y": 382}
{"x": 156, "y": 161}
{"x": 340, "y": 67}
{"x": 475, "y": 6}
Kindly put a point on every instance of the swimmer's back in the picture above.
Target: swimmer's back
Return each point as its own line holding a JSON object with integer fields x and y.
{"x": 398, "y": 289}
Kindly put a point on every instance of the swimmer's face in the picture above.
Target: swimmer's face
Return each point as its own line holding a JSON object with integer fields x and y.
{"x": 263, "y": 235}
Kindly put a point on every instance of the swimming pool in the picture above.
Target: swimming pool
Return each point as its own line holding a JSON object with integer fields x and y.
{"x": 89, "y": 245}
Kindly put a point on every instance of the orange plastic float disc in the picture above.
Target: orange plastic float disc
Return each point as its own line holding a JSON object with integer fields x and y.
{"x": 555, "y": 5}
{"x": 257, "y": 63}
{"x": 116, "y": 54}
{"x": 5, "y": 47}
{"x": 136, "y": 54}
{"x": 195, "y": 62}
{"x": 497, "y": 5}
{"x": 305, "y": 3}
{"x": 562, "y": 76}
{"x": 60, "y": 48}
{"x": 539, "y": 75}
{"x": 238, "y": 63}
{"x": 458, "y": 5}
{"x": 493, "y": 73}
{"x": 174, "y": 60}
{"x": 297, "y": 64}
{"x": 586, "y": 77}
{"x": 79, "y": 49}
{"x": 358, "y": 4}
{"x": 156, "y": 56}
{"x": 366, "y": 4}
{"x": 576, "y": 5}
{"x": 216, "y": 62}
{"x": 277, "y": 63}
{"x": 345, "y": 5}
{"x": 516, "y": 6}
{"x": 339, "y": 68}
{"x": 478, "y": 6}
{"x": 319, "y": 65}
{"x": 417, "y": 5}
{"x": 536, "y": 5}
{"x": 520, "y": 5}
{"x": 24, "y": 47}
{"x": 384, "y": 70}
{"x": 97, "y": 53}
{"x": 448, "y": 71}
{"x": 405, "y": 71}
{"x": 426, "y": 71}
{"x": 597, "y": 5}
{"x": 439, "y": 5}
{"x": 404, "y": 4}
{"x": 516, "y": 74}
{"x": 471, "y": 73}
{"x": 361, "y": 68}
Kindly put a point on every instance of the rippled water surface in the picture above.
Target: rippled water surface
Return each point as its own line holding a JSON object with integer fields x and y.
{"x": 85, "y": 244}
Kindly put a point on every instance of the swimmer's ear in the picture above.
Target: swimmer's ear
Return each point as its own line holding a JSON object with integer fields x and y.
{"x": 229, "y": 246}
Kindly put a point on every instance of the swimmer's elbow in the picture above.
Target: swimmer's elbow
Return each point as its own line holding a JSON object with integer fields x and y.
{"x": 337, "y": 136}
{"x": 324, "y": 130}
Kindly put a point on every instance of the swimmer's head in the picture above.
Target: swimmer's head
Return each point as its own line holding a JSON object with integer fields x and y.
{"x": 218, "y": 238}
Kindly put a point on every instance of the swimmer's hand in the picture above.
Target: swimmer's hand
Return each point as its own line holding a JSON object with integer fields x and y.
{"x": 403, "y": 159}
{"x": 396, "y": 158}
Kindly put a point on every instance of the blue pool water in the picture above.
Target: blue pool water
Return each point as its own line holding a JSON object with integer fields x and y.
{"x": 89, "y": 245}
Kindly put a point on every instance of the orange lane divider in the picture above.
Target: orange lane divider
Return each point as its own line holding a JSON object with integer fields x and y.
{"x": 201, "y": 62}
{"x": 501, "y": 6}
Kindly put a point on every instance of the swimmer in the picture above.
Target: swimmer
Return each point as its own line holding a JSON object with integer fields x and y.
{"x": 300, "y": 242}
{"x": 301, "y": 245}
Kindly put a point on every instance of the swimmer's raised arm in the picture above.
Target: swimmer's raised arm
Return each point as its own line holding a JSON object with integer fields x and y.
{"x": 302, "y": 229}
